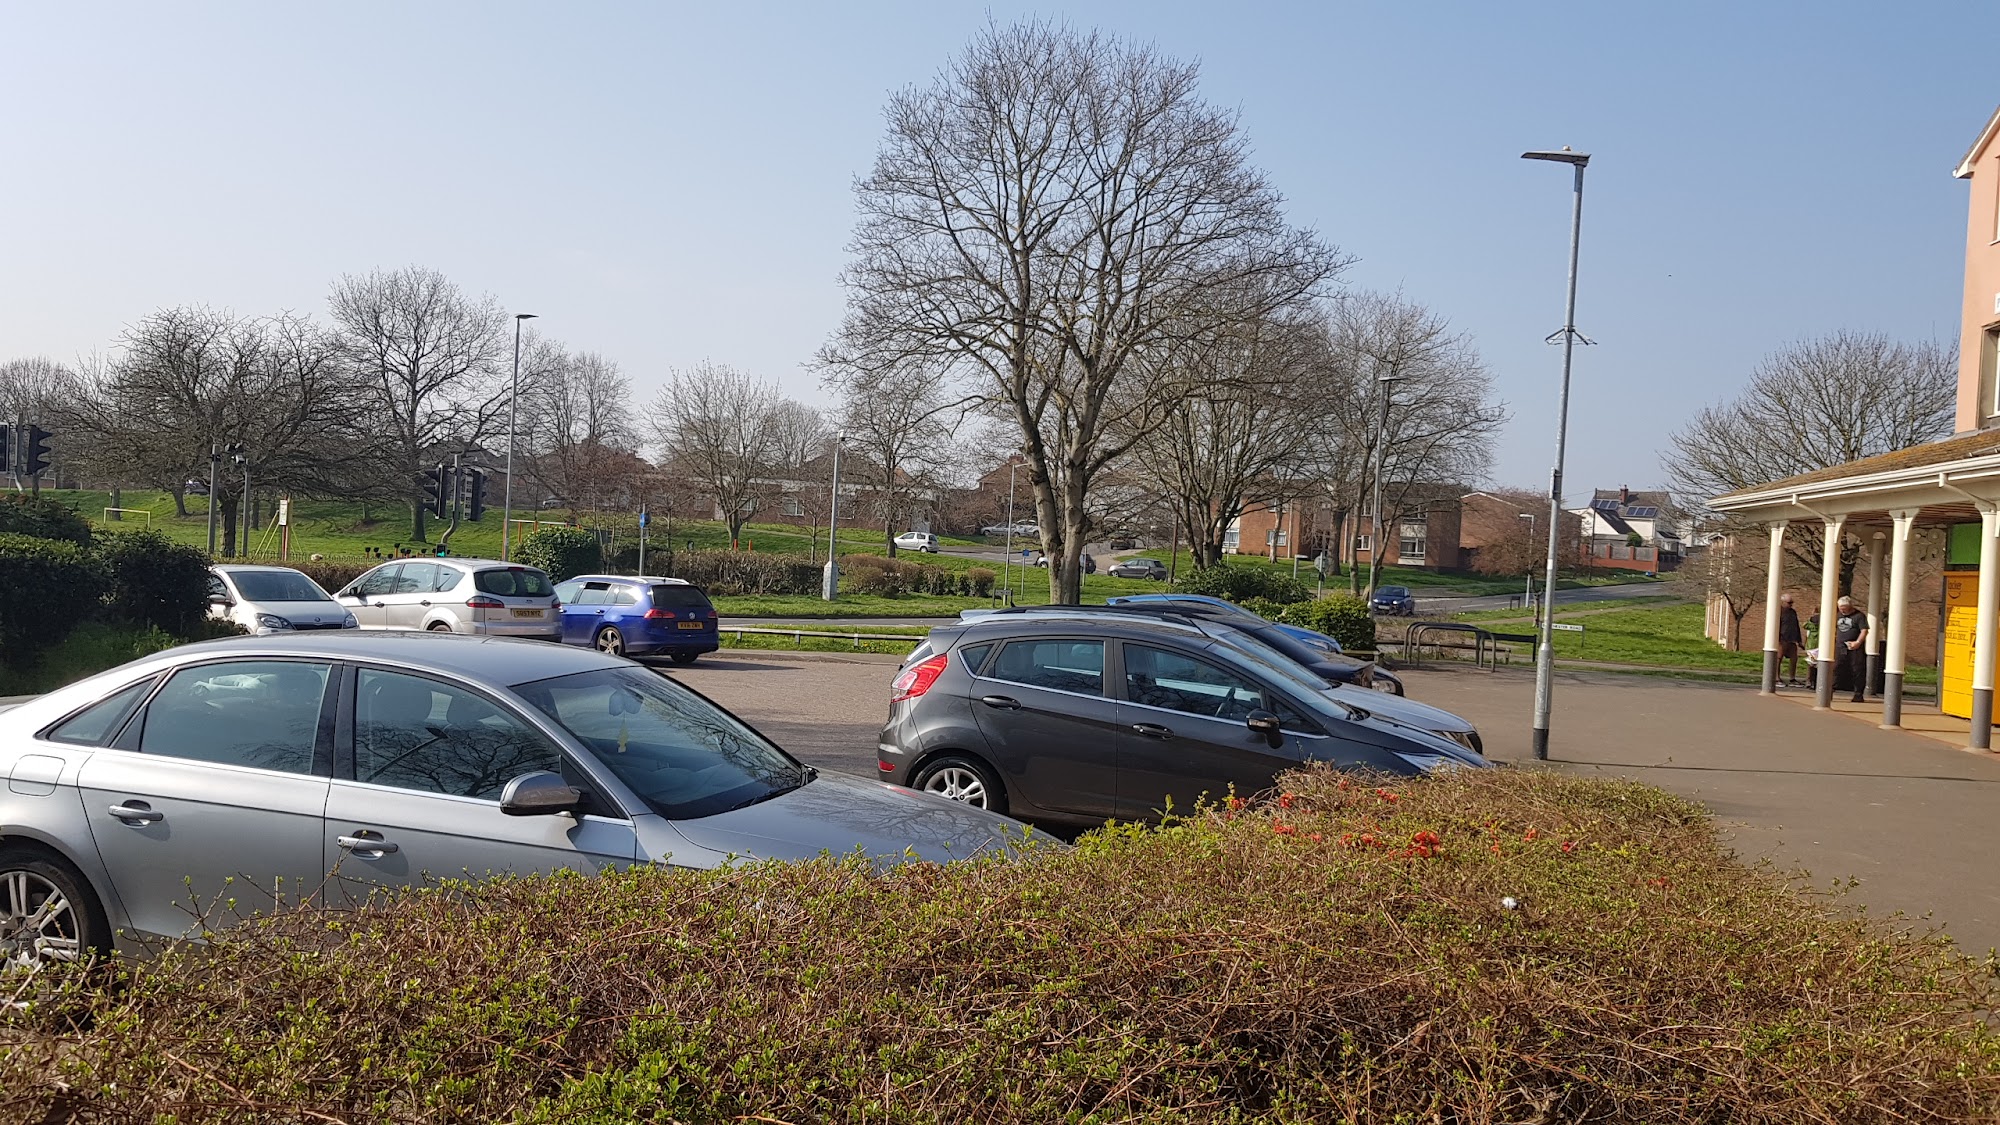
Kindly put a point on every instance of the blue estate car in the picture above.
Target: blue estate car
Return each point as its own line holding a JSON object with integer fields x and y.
{"x": 644, "y": 615}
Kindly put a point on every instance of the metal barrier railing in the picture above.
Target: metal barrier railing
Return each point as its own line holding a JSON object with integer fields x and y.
{"x": 1484, "y": 641}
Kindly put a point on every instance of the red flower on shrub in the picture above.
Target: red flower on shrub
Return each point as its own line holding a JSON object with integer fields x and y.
{"x": 1235, "y": 803}
{"x": 1317, "y": 838}
{"x": 1282, "y": 829}
{"x": 1285, "y": 800}
{"x": 1385, "y": 794}
{"x": 1530, "y": 834}
{"x": 1568, "y": 846}
{"x": 1494, "y": 848}
{"x": 1660, "y": 881}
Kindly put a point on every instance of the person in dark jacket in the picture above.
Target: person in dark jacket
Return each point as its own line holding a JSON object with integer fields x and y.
{"x": 1791, "y": 638}
{"x": 1850, "y": 654}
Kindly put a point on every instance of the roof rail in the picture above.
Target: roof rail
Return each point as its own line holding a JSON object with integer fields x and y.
{"x": 1169, "y": 612}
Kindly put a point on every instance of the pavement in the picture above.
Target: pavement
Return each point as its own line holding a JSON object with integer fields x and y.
{"x": 1905, "y": 815}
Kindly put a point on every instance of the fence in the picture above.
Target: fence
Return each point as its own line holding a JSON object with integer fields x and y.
{"x": 1484, "y": 643}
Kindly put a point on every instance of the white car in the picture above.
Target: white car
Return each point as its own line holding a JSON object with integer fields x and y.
{"x": 273, "y": 599}
{"x": 482, "y": 597}
{"x": 917, "y": 541}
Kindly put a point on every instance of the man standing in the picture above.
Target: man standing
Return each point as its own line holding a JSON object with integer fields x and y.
{"x": 1791, "y": 637}
{"x": 1850, "y": 632}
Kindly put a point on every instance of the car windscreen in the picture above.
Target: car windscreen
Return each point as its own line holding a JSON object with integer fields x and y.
{"x": 680, "y": 754}
{"x": 1393, "y": 591}
{"x": 513, "y": 582}
{"x": 277, "y": 586}
{"x": 1283, "y": 642}
{"x": 679, "y": 597}
{"x": 1245, "y": 649}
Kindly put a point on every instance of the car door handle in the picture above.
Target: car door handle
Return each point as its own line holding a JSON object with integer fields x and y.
{"x": 136, "y": 813}
{"x": 1153, "y": 730}
{"x": 1003, "y": 702}
{"x": 368, "y": 845}
{"x": 426, "y": 601}
{"x": 600, "y": 613}
{"x": 380, "y": 605}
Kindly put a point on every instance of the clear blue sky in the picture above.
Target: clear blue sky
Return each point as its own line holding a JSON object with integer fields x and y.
{"x": 668, "y": 183}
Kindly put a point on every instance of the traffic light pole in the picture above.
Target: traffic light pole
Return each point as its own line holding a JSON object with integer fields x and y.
{"x": 444, "y": 541}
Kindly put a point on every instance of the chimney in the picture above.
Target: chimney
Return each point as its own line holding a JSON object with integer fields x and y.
{"x": 1624, "y": 495}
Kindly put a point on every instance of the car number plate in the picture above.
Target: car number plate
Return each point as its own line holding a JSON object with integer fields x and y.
{"x": 691, "y": 625}
{"x": 527, "y": 613}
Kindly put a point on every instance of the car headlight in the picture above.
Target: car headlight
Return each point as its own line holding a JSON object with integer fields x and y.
{"x": 272, "y": 621}
{"x": 1465, "y": 738}
{"x": 348, "y": 622}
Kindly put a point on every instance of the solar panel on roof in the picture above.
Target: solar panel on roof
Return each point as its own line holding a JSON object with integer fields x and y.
{"x": 1643, "y": 512}
{"x": 1605, "y": 505}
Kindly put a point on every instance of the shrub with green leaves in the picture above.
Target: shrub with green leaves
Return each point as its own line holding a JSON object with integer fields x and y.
{"x": 47, "y": 586}
{"x": 561, "y": 552}
{"x": 155, "y": 581}
{"x": 1242, "y": 583}
{"x": 1487, "y": 946}
{"x": 729, "y": 573}
{"x": 980, "y": 581}
{"x": 43, "y": 517}
{"x": 1344, "y": 617}
{"x": 332, "y": 575}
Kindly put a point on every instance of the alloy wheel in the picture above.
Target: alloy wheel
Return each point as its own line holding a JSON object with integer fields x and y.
{"x": 959, "y": 784}
{"x": 38, "y": 923}
{"x": 611, "y": 641}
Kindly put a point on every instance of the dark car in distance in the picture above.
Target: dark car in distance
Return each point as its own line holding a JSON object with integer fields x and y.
{"x": 1394, "y": 600}
{"x": 642, "y": 615}
{"x": 1153, "y": 569}
{"x": 1073, "y": 718}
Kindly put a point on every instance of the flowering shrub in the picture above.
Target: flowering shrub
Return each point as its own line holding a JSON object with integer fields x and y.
{"x": 1488, "y": 946}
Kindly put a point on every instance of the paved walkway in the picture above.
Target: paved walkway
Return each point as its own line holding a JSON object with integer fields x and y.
{"x": 1910, "y": 816}
{"x": 1919, "y": 718}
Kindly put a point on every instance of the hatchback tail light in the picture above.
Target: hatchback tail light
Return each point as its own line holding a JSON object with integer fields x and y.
{"x": 660, "y": 615}
{"x": 485, "y": 603}
{"x": 917, "y": 679}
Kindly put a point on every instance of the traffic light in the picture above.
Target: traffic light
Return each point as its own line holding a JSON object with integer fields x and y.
{"x": 437, "y": 491}
{"x": 35, "y": 458}
{"x": 6, "y": 447}
{"x": 475, "y": 494}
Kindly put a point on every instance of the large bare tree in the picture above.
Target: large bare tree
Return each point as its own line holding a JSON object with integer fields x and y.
{"x": 1052, "y": 210}
{"x": 189, "y": 380}
{"x": 715, "y": 422}
{"x": 429, "y": 357}
{"x": 575, "y": 422}
{"x": 1814, "y": 404}
{"x": 900, "y": 421}
{"x": 1441, "y": 421}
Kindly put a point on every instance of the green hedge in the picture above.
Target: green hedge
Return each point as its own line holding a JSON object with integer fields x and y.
{"x": 155, "y": 582}
{"x": 562, "y": 552}
{"x": 43, "y": 517}
{"x": 47, "y": 587}
{"x": 1344, "y": 617}
{"x": 730, "y": 573}
{"x": 1488, "y": 946}
{"x": 1242, "y": 583}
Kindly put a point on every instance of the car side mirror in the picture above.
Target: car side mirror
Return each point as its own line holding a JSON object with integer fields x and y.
{"x": 1266, "y": 724}
{"x": 540, "y": 793}
{"x": 220, "y": 599}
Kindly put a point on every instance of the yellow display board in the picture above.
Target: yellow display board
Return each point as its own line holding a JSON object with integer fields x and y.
{"x": 1961, "y": 605}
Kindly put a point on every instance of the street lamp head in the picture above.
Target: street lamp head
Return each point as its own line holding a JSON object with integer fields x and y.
{"x": 1564, "y": 156}
{"x": 524, "y": 316}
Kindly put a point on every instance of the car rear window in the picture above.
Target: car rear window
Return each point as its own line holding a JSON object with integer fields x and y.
{"x": 679, "y": 597}
{"x": 513, "y": 582}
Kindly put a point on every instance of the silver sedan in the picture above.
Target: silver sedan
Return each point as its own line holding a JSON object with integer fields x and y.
{"x": 169, "y": 796}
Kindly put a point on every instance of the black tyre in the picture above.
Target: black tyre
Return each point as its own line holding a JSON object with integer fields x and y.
{"x": 48, "y": 912}
{"x": 685, "y": 657}
{"x": 610, "y": 641}
{"x": 963, "y": 779}
{"x": 440, "y": 627}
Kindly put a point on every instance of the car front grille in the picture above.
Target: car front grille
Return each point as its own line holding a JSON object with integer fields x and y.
{"x": 302, "y": 627}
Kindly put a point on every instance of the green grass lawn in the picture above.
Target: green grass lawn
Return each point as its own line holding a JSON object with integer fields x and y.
{"x": 1422, "y": 581}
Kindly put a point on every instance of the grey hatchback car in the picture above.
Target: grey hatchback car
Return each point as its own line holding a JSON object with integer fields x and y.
{"x": 324, "y": 767}
{"x": 1075, "y": 718}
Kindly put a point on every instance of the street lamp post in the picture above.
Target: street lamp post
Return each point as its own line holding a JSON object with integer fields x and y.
{"x": 1545, "y": 662}
{"x": 513, "y": 407}
{"x": 830, "y": 581}
{"x": 1381, "y": 449}
{"x": 1007, "y": 560}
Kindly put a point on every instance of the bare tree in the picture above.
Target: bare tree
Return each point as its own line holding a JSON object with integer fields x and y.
{"x": 1441, "y": 423}
{"x": 1048, "y": 213}
{"x": 1243, "y": 427}
{"x": 715, "y": 421}
{"x": 801, "y": 456}
{"x": 189, "y": 380}
{"x": 575, "y": 425}
{"x": 429, "y": 358}
{"x": 899, "y": 421}
{"x": 1812, "y": 405}
{"x": 37, "y": 390}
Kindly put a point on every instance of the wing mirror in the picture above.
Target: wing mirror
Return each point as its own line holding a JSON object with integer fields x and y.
{"x": 540, "y": 793}
{"x": 220, "y": 599}
{"x": 1266, "y": 724}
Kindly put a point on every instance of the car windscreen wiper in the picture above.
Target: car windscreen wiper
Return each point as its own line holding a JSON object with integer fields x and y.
{"x": 809, "y": 774}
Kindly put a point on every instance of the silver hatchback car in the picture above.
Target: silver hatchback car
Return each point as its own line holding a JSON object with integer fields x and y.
{"x": 483, "y": 597}
{"x": 162, "y": 798}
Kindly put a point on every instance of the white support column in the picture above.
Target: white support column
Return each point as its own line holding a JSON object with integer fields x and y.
{"x": 1894, "y": 628}
{"x": 1873, "y": 644}
{"x": 1983, "y": 631}
{"x": 1774, "y": 586}
{"x": 1829, "y": 595}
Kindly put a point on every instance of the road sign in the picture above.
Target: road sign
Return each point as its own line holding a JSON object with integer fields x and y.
{"x": 1566, "y": 628}
{"x": 643, "y": 517}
